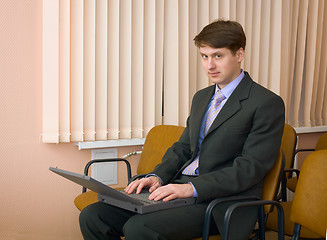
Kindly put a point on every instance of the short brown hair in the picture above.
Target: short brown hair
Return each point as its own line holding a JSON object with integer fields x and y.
{"x": 222, "y": 34}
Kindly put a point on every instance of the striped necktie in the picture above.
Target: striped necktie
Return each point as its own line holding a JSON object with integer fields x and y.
{"x": 213, "y": 111}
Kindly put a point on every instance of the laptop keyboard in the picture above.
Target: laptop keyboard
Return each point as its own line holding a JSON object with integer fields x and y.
{"x": 143, "y": 197}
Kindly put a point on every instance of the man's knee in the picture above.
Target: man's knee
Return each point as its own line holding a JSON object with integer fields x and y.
{"x": 86, "y": 217}
{"x": 101, "y": 221}
{"x": 133, "y": 228}
{"x": 137, "y": 228}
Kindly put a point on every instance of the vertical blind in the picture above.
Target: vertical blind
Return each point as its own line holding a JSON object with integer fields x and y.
{"x": 113, "y": 69}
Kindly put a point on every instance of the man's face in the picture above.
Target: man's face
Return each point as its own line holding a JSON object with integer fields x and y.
{"x": 221, "y": 65}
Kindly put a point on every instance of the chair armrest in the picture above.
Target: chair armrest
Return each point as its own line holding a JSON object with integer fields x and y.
{"x": 260, "y": 204}
{"x": 87, "y": 166}
{"x": 282, "y": 195}
{"x": 303, "y": 150}
{"x": 213, "y": 204}
{"x": 297, "y": 172}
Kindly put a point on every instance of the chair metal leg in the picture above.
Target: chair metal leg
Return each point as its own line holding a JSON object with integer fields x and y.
{"x": 296, "y": 231}
{"x": 231, "y": 209}
{"x": 213, "y": 204}
{"x": 261, "y": 222}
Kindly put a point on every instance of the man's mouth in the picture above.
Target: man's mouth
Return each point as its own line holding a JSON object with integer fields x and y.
{"x": 214, "y": 74}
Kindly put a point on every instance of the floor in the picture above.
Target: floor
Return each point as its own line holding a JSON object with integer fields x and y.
{"x": 271, "y": 235}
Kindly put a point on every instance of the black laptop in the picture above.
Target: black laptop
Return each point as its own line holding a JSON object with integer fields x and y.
{"x": 138, "y": 203}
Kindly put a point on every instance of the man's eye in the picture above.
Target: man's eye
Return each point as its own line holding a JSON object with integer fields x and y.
{"x": 218, "y": 56}
{"x": 204, "y": 56}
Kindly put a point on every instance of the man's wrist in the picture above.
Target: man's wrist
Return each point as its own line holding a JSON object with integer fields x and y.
{"x": 195, "y": 193}
{"x": 156, "y": 176}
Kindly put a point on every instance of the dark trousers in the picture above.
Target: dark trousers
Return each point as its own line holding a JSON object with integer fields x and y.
{"x": 102, "y": 221}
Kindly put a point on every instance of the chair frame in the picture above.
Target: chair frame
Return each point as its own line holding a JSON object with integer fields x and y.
{"x": 246, "y": 201}
{"x": 260, "y": 204}
{"x": 89, "y": 164}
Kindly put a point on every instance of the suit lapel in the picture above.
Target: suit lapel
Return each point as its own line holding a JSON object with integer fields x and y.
{"x": 200, "y": 109}
{"x": 233, "y": 104}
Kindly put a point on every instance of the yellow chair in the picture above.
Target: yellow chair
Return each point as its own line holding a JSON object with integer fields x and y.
{"x": 288, "y": 145}
{"x": 309, "y": 207}
{"x": 265, "y": 205}
{"x": 158, "y": 140}
{"x": 288, "y": 225}
{"x": 312, "y": 185}
{"x": 321, "y": 144}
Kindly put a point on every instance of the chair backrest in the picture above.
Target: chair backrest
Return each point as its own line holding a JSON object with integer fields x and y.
{"x": 158, "y": 140}
{"x": 322, "y": 142}
{"x": 288, "y": 146}
{"x": 272, "y": 181}
{"x": 309, "y": 207}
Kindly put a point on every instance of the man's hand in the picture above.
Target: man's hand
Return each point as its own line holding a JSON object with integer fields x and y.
{"x": 172, "y": 191}
{"x": 152, "y": 182}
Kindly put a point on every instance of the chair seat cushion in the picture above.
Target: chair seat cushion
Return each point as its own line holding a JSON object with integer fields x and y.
{"x": 85, "y": 199}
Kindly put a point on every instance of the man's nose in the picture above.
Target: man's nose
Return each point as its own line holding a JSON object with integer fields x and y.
{"x": 211, "y": 63}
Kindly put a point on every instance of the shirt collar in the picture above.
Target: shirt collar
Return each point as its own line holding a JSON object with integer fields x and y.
{"x": 228, "y": 89}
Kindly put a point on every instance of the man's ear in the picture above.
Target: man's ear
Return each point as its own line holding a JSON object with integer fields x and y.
{"x": 240, "y": 54}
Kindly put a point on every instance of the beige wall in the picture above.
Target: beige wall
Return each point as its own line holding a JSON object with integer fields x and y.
{"x": 35, "y": 203}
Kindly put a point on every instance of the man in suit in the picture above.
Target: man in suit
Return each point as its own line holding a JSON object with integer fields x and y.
{"x": 230, "y": 143}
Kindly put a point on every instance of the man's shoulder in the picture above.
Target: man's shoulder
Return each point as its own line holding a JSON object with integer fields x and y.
{"x": 258, "y": 89}
{"x": 261, "y": 91}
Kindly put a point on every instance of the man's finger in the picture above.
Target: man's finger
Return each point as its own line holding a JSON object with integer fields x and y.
{"x": 132, "y": 186}
{"x": 140, "y": 187}
{"x": 154, "y": 187}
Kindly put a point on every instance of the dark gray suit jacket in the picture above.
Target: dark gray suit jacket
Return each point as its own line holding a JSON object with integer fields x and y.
{"x": 240, "y": 147}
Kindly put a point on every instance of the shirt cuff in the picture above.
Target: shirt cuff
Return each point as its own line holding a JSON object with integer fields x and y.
{"x": 149, "y": 175}
{"x": 195, "y": 193}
